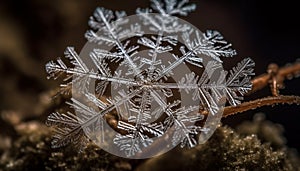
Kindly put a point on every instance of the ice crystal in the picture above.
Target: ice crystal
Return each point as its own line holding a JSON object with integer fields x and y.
{"x": 174, "y": 93}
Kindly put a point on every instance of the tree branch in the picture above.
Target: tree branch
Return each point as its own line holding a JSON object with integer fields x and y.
{"x": 267, "y": 101}
{"x": 287, "y": 72}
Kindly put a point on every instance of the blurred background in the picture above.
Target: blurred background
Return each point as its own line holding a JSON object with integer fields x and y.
{"x": 33, "y": 32}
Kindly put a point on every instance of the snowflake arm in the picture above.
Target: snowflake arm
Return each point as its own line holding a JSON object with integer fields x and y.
{"x": 183, "y": 133}
{"x": 104, "y": 18}
{"x": 69, "y": 127}
{"x": 237, "y": 84}
{"x": 239, "y": 81}
{"x": 173, "y": 7}
{"x": 56, "y": 69}
{"x": 69, "y": 130}
{"x": 210, "y": 43}
{"x": 130, "y": 143}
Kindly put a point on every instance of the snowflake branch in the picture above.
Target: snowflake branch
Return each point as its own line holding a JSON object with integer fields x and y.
{"x": 93, "y": 37}
{"x": 168, "y": 111}
{"x": 193, "y": 49}
{"x": 66, "y": 134}
{"x": 117, "y": 42}
{"x": 146, "y": 16}
{"x": 55, "y": 69}
{"x": 173, "y": 7}
{"x": 210, "y": 43}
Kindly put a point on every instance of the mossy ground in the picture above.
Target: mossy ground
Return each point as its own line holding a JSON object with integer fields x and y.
{"x": 225, "y": 150}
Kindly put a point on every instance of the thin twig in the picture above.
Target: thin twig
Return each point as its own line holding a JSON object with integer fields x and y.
{"x": 283, "y": 73}
{"x": 267, "y": 101}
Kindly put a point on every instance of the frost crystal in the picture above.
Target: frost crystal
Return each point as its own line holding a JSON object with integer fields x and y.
{"x": 145, "y": 83}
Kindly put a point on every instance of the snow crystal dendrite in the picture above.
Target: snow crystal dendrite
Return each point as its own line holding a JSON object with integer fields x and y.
{"x": 145, "y": 83}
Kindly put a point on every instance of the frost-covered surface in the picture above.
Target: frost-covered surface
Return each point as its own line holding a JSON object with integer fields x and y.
{"x": 161, "y": 76}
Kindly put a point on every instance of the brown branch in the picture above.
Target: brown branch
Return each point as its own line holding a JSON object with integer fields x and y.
{"x": 267, "y": 101}
{"x": 283, "y": 73}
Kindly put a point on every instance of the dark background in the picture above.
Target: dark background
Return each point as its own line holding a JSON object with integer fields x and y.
{"x": 33, "y": 32}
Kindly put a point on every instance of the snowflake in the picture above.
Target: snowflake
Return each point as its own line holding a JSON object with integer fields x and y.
{"x": 145, "y": 83}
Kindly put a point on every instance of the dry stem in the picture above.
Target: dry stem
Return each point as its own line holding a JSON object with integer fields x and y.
{"x": 263, "y": 80}
{"x": 267, "y": 101}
